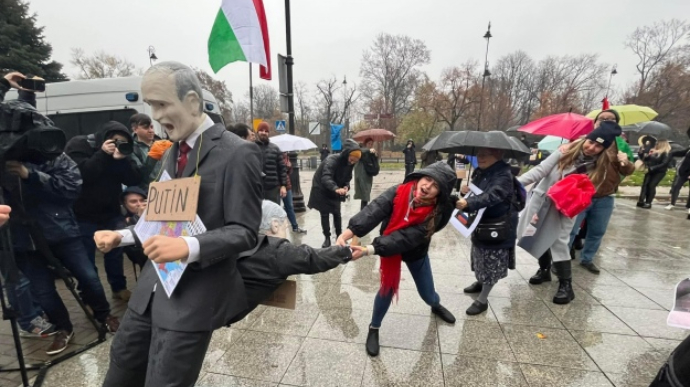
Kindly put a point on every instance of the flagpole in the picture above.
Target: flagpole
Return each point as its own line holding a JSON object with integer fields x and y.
{"x": 251, "y": 97}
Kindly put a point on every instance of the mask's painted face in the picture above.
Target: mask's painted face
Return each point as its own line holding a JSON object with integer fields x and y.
{"x": 178, "y": 118}
{"x": 427, "y": 188}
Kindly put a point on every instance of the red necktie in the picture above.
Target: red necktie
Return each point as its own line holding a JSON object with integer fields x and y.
{"x": 182, "y": 159}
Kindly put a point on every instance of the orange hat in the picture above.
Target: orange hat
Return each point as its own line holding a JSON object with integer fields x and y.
{"x": 263, "y": 125}
{"x": 356, "y": 153}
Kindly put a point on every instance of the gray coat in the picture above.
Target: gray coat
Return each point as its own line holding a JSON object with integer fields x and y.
{"x": 211, "y": 291}
{"x": 552, "y": 228}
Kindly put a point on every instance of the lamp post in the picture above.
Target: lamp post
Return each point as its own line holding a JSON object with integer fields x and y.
{"x": 613, "y": 72}
{"x": 152, "y": 55}
{"x": 346, "y": 113}
{"x": 487, "y": 73}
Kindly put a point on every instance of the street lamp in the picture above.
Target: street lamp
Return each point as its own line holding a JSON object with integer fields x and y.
{"x": 613, "y": 72}
{"x": 152, "y": 55}
{"x": 346, "y": 116}
{"x": 487, "y": 73}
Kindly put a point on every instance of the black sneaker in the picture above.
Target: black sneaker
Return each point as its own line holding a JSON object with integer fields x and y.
{"x": 476, "y": 308}
{"x": 444, "y": 314}
{"x": 476, "y": 287}
{"x": 591, "y": 267}
{"x": 299, "y": 230}
{"x": 373, "y": 342}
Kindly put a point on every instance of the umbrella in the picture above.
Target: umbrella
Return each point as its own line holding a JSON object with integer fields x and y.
{"x": 551, "y": 143}
{"x": 290, "y": 143}
{"x": 654, "y": 128}
{"x": 630, "y": 114}
{"x": 375, "y": 134}
{"x": 565, "y": 125}
{"x": 441, "y": 139}
{"x": 467, "y": 142}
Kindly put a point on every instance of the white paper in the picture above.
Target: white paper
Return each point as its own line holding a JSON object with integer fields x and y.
{"x": 169, "y": 273}
{"x": 460, "y": 219}
{"x": 679, "y": 317}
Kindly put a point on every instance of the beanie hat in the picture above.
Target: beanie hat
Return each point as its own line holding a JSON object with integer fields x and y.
{"x": 132, "y": 190}
{"x": 263, "y": 125}
{"x": 356, "y": 153}
{"x": 605, "y": 134}
{"x": 615, "y": 113}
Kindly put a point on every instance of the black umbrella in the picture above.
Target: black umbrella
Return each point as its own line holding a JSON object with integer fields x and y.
{"x": 441, "y": 139}
{"x": 513, "y": 128}
{"x": 654, "y": 128}
{"x": 467, "y": 142}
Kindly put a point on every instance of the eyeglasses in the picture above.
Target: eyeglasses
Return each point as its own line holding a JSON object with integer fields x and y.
{"x": 600, "y": 119}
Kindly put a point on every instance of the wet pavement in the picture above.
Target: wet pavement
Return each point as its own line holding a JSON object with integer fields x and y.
{"x": 613, "y": 334}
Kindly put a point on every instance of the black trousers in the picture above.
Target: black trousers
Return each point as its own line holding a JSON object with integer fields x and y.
{"x": 409, "y": 168}
{"x": 144, "y": 355}
{"x": 678, "y": 183}
{"x": 649, "y": 184}
{"x": 363, "y": 204}
{"x": 326, "y": 224}
{"x": 458, "y": 183}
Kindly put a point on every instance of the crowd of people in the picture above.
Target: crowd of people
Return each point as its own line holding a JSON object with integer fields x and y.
{"x": 88, "y": 199}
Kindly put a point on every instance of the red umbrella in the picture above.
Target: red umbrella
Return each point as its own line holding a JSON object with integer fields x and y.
{"x": 565, "y": 125}
{"x": 375, "y": 134}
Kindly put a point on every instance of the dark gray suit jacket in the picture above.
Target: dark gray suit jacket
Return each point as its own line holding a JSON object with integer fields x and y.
{"x": 211, "y": 291}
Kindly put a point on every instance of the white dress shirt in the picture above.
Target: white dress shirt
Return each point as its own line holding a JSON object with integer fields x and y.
{"x": 192, "y": 243}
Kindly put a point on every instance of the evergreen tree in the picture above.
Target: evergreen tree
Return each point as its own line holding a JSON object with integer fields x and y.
{"x": 22, "y": 44}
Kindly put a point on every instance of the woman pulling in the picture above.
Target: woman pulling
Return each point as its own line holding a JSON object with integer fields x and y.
{"x": 543, "y": 227}
{"x": 657, "y": 161}
{"x": 491, "y": 256}
{"x": 410, "y": 214}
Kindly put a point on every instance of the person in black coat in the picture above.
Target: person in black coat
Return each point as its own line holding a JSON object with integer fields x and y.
{"x": 675, "y": 372}
{"x": 324, "y": 152}
{"x": 682, "y": 177}
{"x": 330, "y": 186}
{"x": 274, "y": 169}
{"x": 657, "y": 161}
{"x": 491, "y": 259}
{"x": 410, "y": 157}
{"x": 409, "y": 214}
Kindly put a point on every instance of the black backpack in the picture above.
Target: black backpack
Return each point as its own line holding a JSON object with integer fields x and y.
{"x": 371, "y": 164}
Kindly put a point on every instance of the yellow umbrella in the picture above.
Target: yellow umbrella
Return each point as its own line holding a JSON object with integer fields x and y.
{"x": 630, "y": 114}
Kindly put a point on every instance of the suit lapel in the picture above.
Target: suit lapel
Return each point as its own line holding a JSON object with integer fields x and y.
{"x": 202, "y": 146}
{"x": 171, "y": 160}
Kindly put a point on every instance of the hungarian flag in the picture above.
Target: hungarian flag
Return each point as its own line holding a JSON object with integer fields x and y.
{"x": 240, "y": 33}
{"x": 605, "y": 103}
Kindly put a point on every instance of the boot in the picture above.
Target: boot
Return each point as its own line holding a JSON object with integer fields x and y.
{"x": 578, "y": 243}
{"x": 476, "y": 287}
{"x": 444, "y": 314}
{"x": 327, "y": 242}
{"x": 542, "y": 275}
{"x": 640, "y": 204}
{"x": 373, "y": 342}
{"x": 647, "y": 206}
{"x": 565, "y": 292}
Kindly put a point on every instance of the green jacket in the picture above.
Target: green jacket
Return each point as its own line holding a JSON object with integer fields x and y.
{"x": 148, "y": 167}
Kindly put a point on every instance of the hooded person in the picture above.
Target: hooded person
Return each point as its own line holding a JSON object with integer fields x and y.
{"x": 106, "y": 164}
{"x": 543, "y": 231}
{"x": 410, "y": 157}
{"x": 275, "y": 258}
{"x": 410, "y": 214}
{"x": 330, "y": 186}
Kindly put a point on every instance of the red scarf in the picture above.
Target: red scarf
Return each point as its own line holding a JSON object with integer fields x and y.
{"x": 404, "y": 215}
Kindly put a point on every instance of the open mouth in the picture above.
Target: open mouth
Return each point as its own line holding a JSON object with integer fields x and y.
{"x": 423, "y": 191}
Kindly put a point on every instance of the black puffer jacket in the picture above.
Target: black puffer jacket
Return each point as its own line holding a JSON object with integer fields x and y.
{"x": 496, "y": 182}
{"x": 333, "y": 173}
{"x": 273, "y": 165}
{"x": 658, "y": 162}
{"x": 103, "y": 175}
{"x": 410, "y": 155}
{"x": 412, "y": 242}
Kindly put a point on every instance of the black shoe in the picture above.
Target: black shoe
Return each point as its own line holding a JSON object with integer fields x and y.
{"x": 640, "y": 204}
{"x": 299, "y": 230}
{"x": 565, "y": 292}
{"x": 591, "y": 267}
{"x": 578, "y": 243}
{"x": 542, "y": 275}
{"x": 326, "y": 243}
{"x": 444, "y": 314}
{"x": 373, "y": 342}
{"x": 474, "y": 288}
{"x": 646, "y": 206}
{"x": 477, "y": 308}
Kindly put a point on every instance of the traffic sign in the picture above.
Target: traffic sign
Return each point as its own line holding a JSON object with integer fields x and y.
{"x": 280, "y": 126}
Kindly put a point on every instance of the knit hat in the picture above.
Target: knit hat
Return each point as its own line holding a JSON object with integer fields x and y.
{"x": 132, "y": 190}
{"x": 605, "y": 134}
{"x": 356, "y": 153}
{"x": 615, "y": 113}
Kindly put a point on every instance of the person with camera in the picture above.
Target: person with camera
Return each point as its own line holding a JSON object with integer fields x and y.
{"x": 41, "y": 193}
{"x": 105, "y": 163}
{"x": 330, "y": 186}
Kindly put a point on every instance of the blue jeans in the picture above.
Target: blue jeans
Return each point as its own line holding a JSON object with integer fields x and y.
{"x": 421, "y": 273}
{"x": 597, "y": 216}
{"x": 290, "y": 209}
{"x": 113, "y": 260}
{"x": 20, "y": 298}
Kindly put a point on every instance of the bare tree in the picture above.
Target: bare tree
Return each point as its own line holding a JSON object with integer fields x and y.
{"x": 265, "y": 102}
{"x": 242, "y": 113}
{"x": 334, "y": 108}
{"x": 390, "y": 72}
{"x": 452, "y": 97}
{"x": 101, "y": 65}
{"x": 304, "y": 108}
{"x": 219, "y": 90}
{"x": 655, "y": 45}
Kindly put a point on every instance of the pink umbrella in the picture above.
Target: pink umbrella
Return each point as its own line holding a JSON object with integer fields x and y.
{"x": 374, "y": 134}
{"x": 565, "y": 125}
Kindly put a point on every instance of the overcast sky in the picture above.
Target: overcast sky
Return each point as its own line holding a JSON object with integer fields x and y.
{"x": 328, "y": 36}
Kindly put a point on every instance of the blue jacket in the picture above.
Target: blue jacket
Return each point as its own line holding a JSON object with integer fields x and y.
{"x": 47, "y": 195}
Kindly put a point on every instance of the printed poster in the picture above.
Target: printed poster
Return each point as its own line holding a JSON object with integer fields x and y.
{"x": 465, "y": 222}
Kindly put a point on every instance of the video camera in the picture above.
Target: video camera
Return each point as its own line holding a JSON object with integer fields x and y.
{"x": 124, "y": 147}
{"x": 26, "y": 135}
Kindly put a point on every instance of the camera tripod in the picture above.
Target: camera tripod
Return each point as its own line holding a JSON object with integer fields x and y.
{"x": 8, "y": 278}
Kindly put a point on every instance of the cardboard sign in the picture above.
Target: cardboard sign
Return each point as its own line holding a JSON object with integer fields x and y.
{"x": 284, "y": 297}
{"x": 173, "y": 200}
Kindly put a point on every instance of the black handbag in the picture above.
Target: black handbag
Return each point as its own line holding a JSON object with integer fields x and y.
{"x": 493, "y": 231}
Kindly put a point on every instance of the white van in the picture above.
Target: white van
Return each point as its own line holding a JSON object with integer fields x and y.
{"x": 82, "y": 106}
